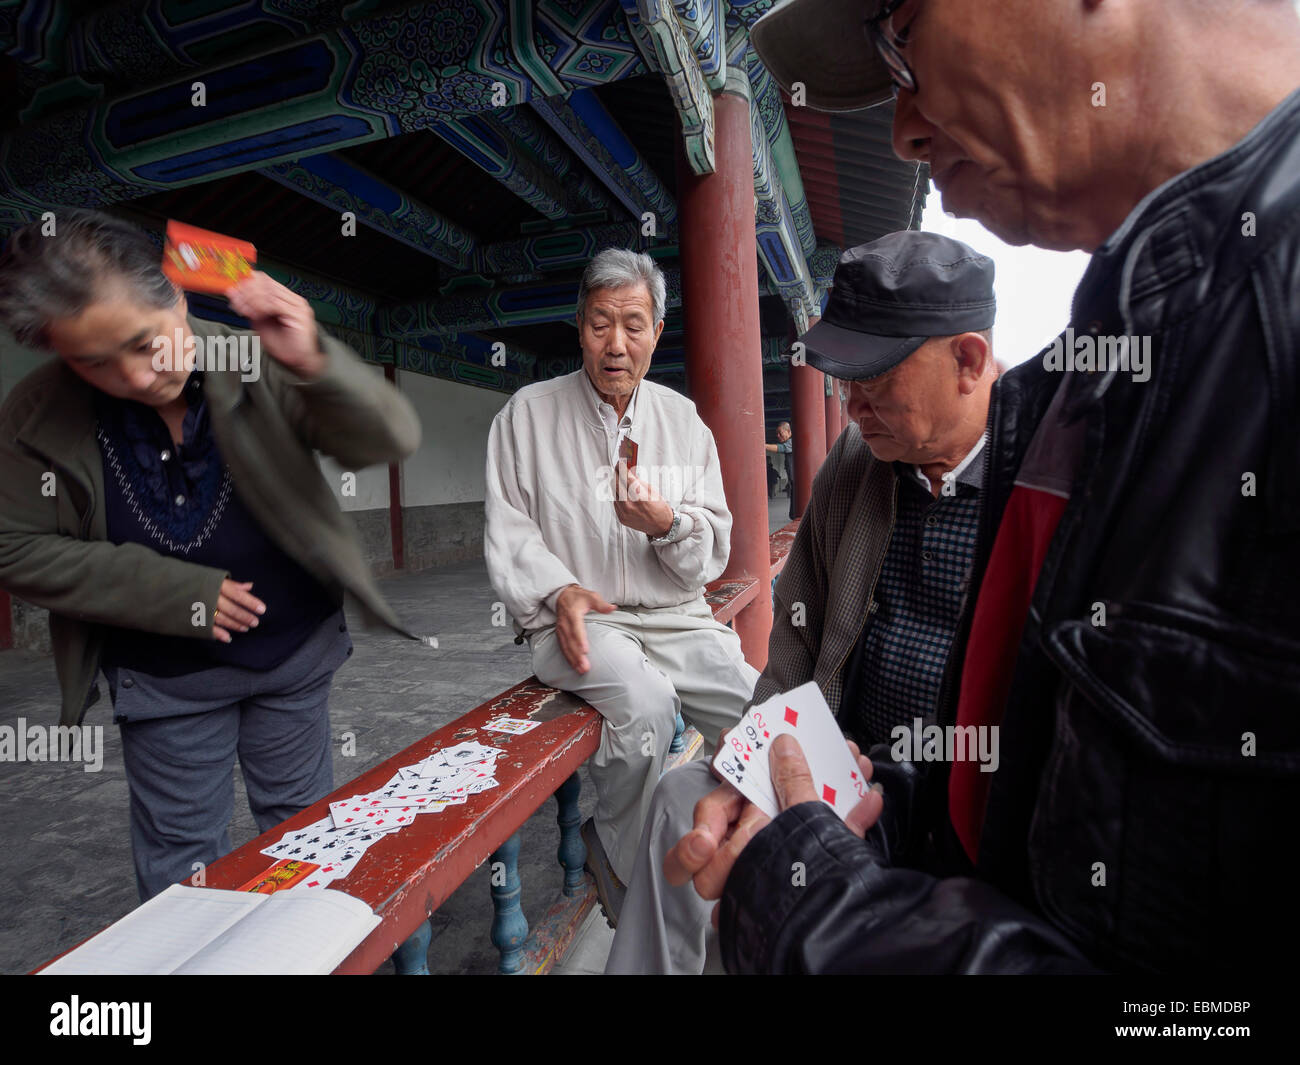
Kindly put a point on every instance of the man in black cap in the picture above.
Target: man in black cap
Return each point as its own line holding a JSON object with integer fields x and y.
{"x": 871, "y": 597}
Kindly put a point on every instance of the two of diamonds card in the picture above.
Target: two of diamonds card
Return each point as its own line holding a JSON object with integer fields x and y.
{"x": 744, "y": 759}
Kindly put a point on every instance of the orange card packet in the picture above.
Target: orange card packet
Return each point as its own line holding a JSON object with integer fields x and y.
{"x": 284, "y": 873}
{"x": 202, "y": 261}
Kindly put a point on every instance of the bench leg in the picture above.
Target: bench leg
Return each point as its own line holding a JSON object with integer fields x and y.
{"x": 572, "y": 852}
{"x": 509, "y": 926}
{"x": 679, "y": 736}
{"x": 412, "y": 957}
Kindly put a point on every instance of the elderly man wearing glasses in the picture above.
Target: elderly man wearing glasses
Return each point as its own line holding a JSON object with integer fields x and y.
{"x": 1136, "y": 627}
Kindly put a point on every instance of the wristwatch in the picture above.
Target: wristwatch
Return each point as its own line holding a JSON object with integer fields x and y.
{"x": 667, "y": 537}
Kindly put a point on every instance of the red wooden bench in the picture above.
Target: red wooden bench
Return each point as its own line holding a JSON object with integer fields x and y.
{"x": 781, "y": 542}
{"x": 406, "y": 876}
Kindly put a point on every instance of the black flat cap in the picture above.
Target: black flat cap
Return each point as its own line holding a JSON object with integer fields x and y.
{"x": 890, "y": 296}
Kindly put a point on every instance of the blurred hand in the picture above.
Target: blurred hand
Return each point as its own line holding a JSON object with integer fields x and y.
{"x": 284, "y": 321}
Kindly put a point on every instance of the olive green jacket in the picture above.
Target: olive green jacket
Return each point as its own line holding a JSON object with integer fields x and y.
{"x": 54, "y": 550}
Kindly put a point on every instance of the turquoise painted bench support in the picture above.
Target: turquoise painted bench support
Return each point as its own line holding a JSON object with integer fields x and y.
{"x": 509, "y": 926}
{"x": 572, "y": 852}
{"x": 679, "y": 736}
{"x": 412, "y": 957}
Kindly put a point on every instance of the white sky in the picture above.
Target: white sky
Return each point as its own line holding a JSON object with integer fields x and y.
{"x": 1033, "y": 287}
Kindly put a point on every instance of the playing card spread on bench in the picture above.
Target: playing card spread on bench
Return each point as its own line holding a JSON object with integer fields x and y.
{"x": 447, "y": 777}
{"x": 743, "y": 760}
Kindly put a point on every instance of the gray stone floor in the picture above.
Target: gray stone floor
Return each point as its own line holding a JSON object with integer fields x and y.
{"x": 66, "y": 866}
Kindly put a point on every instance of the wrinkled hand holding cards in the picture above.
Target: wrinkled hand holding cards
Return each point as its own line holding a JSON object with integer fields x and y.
{"x": 447, "y": 777}
{"x": 743, "y": 760}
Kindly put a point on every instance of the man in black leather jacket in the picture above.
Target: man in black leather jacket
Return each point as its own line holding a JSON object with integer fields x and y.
{"x": 1150, "y": 736}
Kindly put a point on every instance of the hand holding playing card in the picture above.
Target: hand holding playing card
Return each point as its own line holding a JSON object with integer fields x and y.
{"x": 725, "y": 821}
{"x": 638, "y": 506}
{"x": 284, "y": 321}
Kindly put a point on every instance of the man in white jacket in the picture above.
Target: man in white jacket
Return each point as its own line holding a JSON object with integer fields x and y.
{"x": 605, "y": 519}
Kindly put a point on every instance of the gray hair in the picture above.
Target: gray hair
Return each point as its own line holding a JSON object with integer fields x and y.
{"x": 619, "y": 268}
{"x": 43, "y": 278}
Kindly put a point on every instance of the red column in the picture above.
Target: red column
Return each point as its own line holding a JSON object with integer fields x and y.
{"x": 724, "y": 366}
{"x": 6, "y": 621}
{"x": 832, "y": 412}
{"x": 396, "y": 526}
{"x": 808, "y": 421}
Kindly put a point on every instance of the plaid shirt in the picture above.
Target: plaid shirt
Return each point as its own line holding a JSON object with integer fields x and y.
{"x": 824, "y": 593}
{"x": 916, "y": 605}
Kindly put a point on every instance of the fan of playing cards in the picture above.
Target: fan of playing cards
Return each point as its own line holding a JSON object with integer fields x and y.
{"x": 336, "y": 843}
{"x": 802, "y": 713}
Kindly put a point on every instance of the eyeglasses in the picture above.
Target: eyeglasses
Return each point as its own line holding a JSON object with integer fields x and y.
{"x": 888, "y": 43}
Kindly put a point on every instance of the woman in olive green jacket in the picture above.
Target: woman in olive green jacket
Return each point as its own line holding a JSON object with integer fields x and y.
{"x": 138, "y": 497}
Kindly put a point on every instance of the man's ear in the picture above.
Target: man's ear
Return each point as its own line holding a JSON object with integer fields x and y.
{"x": 974, "y": 357}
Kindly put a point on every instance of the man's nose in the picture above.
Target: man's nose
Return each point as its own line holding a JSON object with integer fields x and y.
{"x": 615, "y": 340}
{"x": 912, "y": 132}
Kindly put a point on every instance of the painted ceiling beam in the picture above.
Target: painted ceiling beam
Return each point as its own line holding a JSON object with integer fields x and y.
{"x": 34, "y": 34}
{"x": 592, "y": 134}
{"x": 766, "y": 100}
{"x": 779, "y": 248}
{"x": 677, "y": 62}
{"x": 568, "y": 249}
{"x": 702, "y": 25}
{"x": 534, "y": 138}
{"x": 342, "y": 185}
{"x": 374, "y": 78}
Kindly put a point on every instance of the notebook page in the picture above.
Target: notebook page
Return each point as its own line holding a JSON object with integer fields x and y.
{"x": 159, "y": 935}
{"x": 298, "y": 932}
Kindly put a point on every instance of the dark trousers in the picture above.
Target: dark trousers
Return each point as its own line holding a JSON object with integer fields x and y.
{"x": 182, "y": 735}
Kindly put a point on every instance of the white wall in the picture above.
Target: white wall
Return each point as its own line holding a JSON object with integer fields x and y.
{"x": 371, "y": 483}
{"x": 448, "y": 467}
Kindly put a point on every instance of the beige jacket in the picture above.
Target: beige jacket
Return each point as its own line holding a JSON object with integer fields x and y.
{"x": 550, "y": 492}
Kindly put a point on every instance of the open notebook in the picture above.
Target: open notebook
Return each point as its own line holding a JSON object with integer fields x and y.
{"x": 189, "y": 930}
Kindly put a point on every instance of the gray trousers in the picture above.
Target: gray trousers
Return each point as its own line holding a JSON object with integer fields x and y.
{"x": 665, "y": 929}
{"x": 646, "y": 665}
{"x": 181, "y": 736}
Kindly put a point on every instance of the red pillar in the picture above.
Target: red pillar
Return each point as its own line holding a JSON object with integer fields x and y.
{"x": 832, "y": 412}
{"x": 808, "y": 422}
{"x": 6, "y": 621}
{"x": 396, "y": 526}
{"x": 724, "y": 366}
